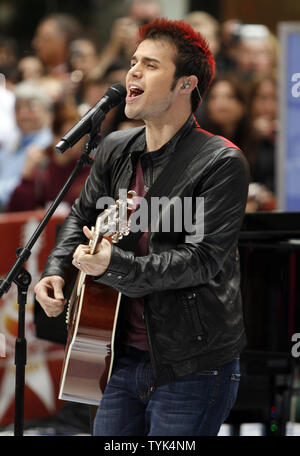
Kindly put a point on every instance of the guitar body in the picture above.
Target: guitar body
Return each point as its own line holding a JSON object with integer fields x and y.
{"x": 91, "y": 318}
{"x": 89, "y": 354}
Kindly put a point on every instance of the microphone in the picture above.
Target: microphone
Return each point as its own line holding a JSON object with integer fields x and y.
{"x": 113, "y": 96}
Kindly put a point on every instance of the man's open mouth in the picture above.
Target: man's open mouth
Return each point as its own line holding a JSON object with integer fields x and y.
{"x": 135, "y": 92}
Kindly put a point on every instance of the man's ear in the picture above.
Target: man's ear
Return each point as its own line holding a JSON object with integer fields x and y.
{"x": 189, "y": 83}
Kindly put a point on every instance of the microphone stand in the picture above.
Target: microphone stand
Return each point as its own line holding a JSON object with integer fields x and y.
{"x": 22, "y": 279}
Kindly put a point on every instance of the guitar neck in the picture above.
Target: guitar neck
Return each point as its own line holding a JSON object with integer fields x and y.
{"x": 93, "y": 243}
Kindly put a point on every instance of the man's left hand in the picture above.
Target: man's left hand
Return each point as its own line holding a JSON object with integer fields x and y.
{"x": 97, "y": 263}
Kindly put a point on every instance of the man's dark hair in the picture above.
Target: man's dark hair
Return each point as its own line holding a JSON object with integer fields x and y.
{"x": 193, "y": 54}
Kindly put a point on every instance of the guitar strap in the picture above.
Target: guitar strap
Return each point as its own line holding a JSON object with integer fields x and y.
{"x": 185, "y": 151}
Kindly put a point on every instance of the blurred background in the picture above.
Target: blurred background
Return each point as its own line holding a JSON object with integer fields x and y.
{"x": 57, "y": 59}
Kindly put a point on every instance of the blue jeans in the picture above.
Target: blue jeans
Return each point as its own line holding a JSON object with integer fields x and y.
{"x": 194, "y": 405}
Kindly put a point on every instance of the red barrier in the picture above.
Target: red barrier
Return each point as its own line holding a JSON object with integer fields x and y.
{"x": 44, "y": 359}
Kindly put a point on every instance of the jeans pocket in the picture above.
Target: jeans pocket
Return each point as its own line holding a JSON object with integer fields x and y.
{"x": 208, "y": 372}
{"x": 235, "y": 377}
{"x": 232, "y": 393}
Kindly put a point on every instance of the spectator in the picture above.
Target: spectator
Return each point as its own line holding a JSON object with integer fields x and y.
{"x": 208, "y": 26}
{"x": 144, "y": 11}
{"x": 33, "y": 117}
{"x": 256, "y": 52}
{"x": 263, "y": 127}
{"x": 30, "y": 68}
{"x": 51, "y": 42}
{"x": 116, "y": 73}
{"x": 83, "y": 57}
{"x": 8, "y": 51}
{"x": 229, "y": 32}
{"x": 7, "y": 117}
{"x": 8, "y": 61}
{"x": 225, "y": 110}
{"x": 93, "y": 91}
{"x": 122, "y": 42}
{"x": 40, "y": 187}
{"x": 260, "y": 198}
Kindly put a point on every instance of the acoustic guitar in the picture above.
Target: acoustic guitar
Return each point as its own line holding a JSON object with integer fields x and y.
{"x": 91, "y": 318}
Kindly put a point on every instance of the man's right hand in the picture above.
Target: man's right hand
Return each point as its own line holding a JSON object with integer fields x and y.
{"x": 49, "y": 293}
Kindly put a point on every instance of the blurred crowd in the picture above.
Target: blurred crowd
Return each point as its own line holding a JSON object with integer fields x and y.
{"x": 44, "y": 93}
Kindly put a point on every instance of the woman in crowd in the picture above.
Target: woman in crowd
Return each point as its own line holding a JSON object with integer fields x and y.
{"x": 263, "y": 127}
{"x": 251, "y": 125}
{"x": 224, "y": 112}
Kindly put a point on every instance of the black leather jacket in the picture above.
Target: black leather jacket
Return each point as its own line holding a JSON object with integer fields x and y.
{"x": 193, "y": 309}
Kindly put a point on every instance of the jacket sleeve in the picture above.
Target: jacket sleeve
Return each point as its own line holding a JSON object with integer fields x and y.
{"x": 224, "y": 189}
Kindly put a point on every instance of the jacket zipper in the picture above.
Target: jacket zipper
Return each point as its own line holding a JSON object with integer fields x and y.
{"x": 191, "y": 309}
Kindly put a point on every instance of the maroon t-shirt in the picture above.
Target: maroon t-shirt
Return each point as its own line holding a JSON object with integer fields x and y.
{"x": 135, "y": 329}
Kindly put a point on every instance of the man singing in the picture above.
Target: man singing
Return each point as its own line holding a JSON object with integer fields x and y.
{"x": 180, "y": 328}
